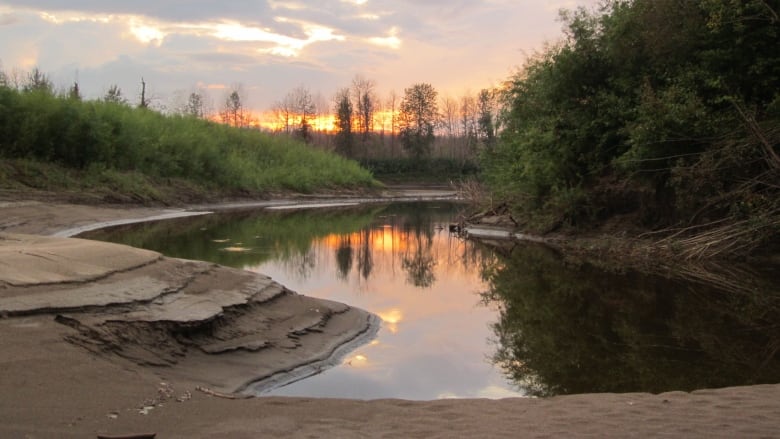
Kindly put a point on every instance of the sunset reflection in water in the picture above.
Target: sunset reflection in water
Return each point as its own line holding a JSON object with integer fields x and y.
{"x": 424, "y": 284}
{"x": 397, "y": 261}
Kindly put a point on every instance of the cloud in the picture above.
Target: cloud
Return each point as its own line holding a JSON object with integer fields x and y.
{"x": 8, "y": 19}
{"x": 391, "y": 40}
{"x": 275, "y": 45}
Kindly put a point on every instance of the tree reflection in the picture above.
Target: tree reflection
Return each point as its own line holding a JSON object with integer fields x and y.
{"x": 419, "y": 269}
{"x": 418, "y": 262}
{"x": 566, "y": 330}
{"x": 366, "y": 239}
{"x": 344, "y": 256}
{"x": 365, "y": 256}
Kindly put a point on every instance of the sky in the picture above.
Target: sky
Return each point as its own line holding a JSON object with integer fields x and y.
{"x": 269, "y": 47}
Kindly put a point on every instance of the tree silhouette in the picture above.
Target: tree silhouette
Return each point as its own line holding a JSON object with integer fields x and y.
{"x": 344, "y": 254}
{"x": 344, "y": 138}
{"x": 418, "y": 117}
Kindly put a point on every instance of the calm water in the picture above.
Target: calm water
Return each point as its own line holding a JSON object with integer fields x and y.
{"x": 464, "y": 320}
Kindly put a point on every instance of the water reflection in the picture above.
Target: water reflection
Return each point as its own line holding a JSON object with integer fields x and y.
{"x": 362, "y": 240}
{"x": 556, "y": 328}
{"x": 566, "y": 329}
{"x": 397, "y": 261}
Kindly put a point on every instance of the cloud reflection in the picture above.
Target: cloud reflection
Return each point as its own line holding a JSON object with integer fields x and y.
{"x": 391, "y": 318}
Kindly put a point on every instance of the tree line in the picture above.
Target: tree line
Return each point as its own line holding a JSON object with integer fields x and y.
{"x": 355, "y": 122}
{"x": 107, "y": 142}
{"x": 665, "y": 113}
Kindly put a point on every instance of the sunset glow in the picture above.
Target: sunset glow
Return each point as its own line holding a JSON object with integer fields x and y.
{"x": 271, "y": 47}
{"x": 391, "y": 319}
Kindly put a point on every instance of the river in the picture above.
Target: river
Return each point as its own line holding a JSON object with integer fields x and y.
{"x": 465, "y": 319}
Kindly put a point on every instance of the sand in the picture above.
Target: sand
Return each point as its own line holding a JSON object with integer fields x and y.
{"x": 107, "y": 365}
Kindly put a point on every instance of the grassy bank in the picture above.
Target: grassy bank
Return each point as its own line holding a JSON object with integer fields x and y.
{"x": 57, "y": 143}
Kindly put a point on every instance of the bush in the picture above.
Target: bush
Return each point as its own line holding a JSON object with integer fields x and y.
{"x": 112, "y": 137}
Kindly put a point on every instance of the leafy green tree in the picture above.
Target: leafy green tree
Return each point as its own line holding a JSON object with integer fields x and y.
{"x": 114, "y": 95}
{"x": 664, "y": 109}
{"x": 344, "y": 138}
{"x": 194, "y": 106}
{"x": 417, "y": 119}
{"x": 38, "y": 81}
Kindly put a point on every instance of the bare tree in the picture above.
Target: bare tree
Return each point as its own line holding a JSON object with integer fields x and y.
{"x": 233, "y": 109}
{"x": 144, "y": 103}
{"x": 392, "y": 107}
{"x": 364, "y": 98}
{"x": 304, "y": 108}
{"x": 487, "y": 107}
{"x": 468, "y": 121}
{"x": 284, "y": 110}
{"x": 449, "y": 116}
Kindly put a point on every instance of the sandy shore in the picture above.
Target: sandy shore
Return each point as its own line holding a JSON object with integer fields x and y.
{"x": 82, "y": 378}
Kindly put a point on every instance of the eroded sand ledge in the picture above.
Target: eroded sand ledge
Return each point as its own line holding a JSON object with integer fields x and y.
{"x": 224, "y": 327}
{"x": 54, "y": 388}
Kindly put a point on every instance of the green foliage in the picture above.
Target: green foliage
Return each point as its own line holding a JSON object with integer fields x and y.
{"x": 344, "y": 138}
{"x": 673, "y": 99}
{"x": 434, "y": 169}
{"x": 290, "y": 234}
{"x": 417, "y": 118}
{"x": 564, "y": 329}
{"x": 111, "y": 137}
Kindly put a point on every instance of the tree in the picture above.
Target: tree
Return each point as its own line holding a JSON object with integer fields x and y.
{"x": 39, "y": 82}
{"x": 285, "y": 112}
{"x": 392, "y": 105}
{"x": 468, "y": 121}
{"x": 488, "y": 117}
{"x": 144, "y": 102}
{"x": 4, "y": 81}
{"x": 233, "y": 110}
{"x": 304, "y": 107}
{"x": 418, "y": 117}
{"x": 195, "y": 105}
{"x": 74, "y": 92}
{"x": 365, "y": 104}
{"x": 344, "y": 137}
{"x": 114, "y": 95}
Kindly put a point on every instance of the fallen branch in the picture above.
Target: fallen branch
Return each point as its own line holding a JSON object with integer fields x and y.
{"x": 129, "y": 436}
{"x": 210, "y": 392}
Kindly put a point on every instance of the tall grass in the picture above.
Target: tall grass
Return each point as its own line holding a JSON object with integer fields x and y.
{"x": 101, "y": 138}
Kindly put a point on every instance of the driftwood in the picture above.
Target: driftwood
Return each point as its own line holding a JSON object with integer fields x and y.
{"x": 208, "y": 391}
{"x": 129, "y": 436}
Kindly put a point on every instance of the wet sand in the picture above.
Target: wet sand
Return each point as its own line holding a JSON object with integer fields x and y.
{"x": 114, "y": 363}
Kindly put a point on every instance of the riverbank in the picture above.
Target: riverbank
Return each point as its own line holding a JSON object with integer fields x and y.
{"x": 53, "y": 388}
